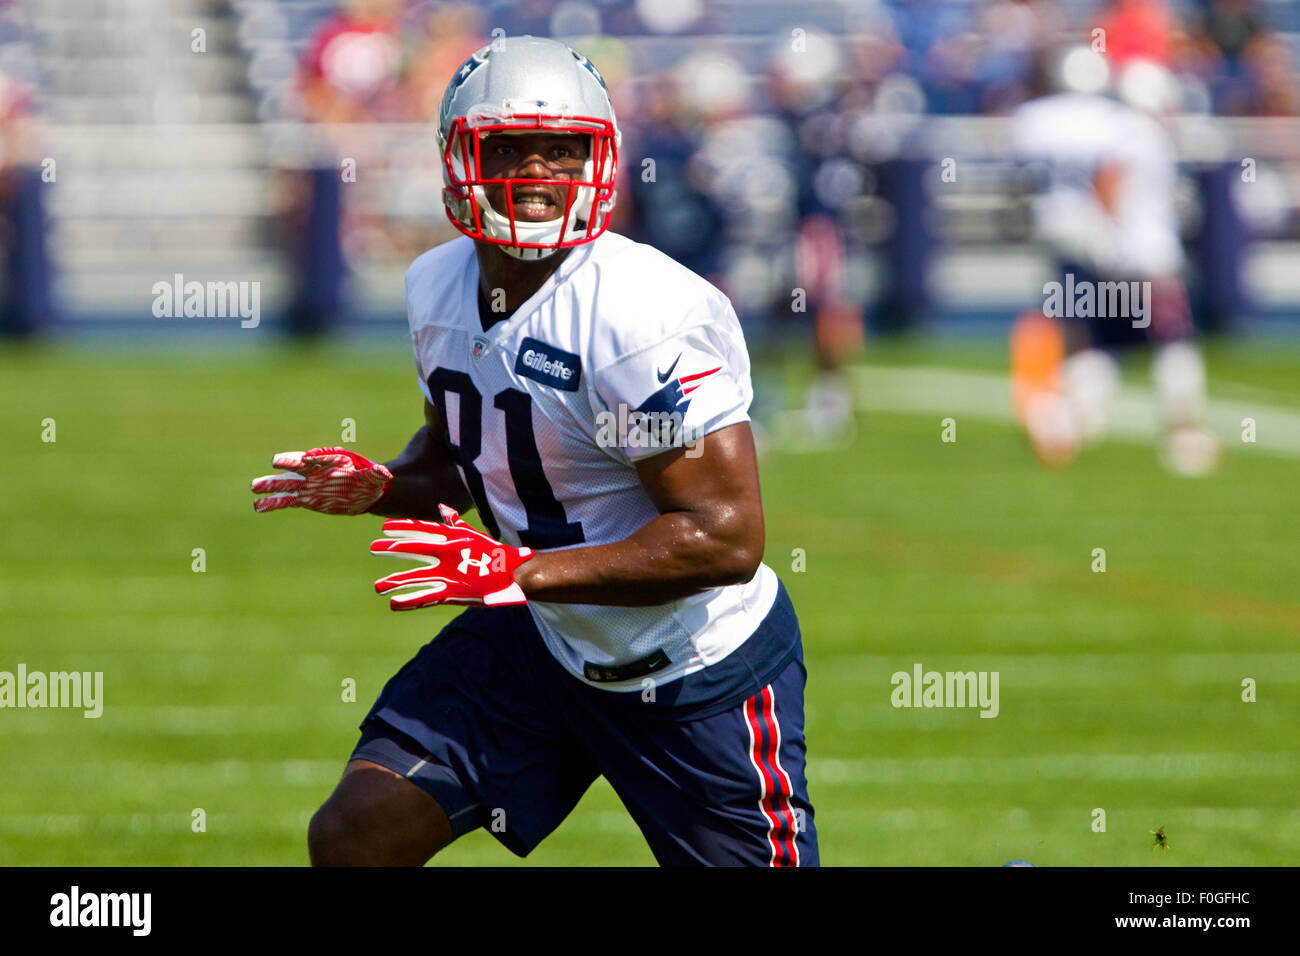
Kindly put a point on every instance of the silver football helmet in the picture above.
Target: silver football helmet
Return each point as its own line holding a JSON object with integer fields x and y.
{"x": 520, "y": 84}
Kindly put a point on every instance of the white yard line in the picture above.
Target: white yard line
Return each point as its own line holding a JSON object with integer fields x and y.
{"x": 931, "y": 818}
{"x": 1133, "y": 414}
{"x": 1090, "y": 767}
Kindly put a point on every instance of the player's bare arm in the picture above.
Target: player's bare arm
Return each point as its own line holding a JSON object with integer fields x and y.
{"x": 423, "y": 475}
{"x": 709, "y": 533}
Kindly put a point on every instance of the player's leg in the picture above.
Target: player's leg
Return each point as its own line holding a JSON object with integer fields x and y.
{"x": 464, "y": 735}
{"x": 1064, "y": 373}
{"x": 1039, "y": 398}
{"x": 1178, "y": 373}
{"x": 821, "y": 307}
{"x": 377, "y": 817}
{"x": 838, "y": 338}
{"x": 1091, "y": 377}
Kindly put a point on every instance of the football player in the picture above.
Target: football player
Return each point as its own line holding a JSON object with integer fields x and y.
{"x": 1108, "y": 213}
{"x": 588, "y": 396}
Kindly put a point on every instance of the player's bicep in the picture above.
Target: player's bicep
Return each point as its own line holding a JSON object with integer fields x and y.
{"x": 715, "y": 484}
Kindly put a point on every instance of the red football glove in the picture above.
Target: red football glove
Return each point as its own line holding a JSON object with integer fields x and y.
{"x": 464, "y": 566}
{"x": 333, "y": 481}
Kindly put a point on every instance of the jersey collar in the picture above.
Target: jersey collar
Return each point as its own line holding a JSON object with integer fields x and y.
{"x": 469, "y": 314}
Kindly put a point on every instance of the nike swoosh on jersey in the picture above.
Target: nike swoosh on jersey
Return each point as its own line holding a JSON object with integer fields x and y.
{"x": 663, "y": 376}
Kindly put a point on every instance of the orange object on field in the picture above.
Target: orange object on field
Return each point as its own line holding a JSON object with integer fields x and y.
{"x": 1037, "y": 351}
{"x": 839, "y": 332}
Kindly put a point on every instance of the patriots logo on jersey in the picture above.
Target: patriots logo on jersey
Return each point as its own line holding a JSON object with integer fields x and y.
{"x": 675, "y": 396}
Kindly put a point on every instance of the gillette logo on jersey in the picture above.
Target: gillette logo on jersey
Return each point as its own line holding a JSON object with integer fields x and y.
{"x": 548, "y": 365}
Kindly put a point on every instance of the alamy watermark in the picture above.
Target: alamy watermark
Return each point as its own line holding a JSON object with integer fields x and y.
{"x": 78, "y": 689}
{"x": 923, "y": 688}
{"x": 1098, "y": 300}
{"x": 75, "y": 908}
{"x": 634, "y": 428}
{"x": 208, "y": 300}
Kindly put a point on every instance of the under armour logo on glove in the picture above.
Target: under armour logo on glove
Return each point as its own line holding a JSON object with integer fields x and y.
{"x": 334, "y": 481}
{"x": 462, "y": 564}
{"x": 483, "y": 564}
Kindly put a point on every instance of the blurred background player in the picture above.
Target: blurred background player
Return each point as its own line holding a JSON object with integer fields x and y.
{"x": 810, "y": 88}
{"x": 750, "y": 186}
{"x": 24, "y": 267}
{"x": 1106, "y": 170}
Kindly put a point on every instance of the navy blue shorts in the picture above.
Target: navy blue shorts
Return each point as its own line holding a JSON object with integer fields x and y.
{"x": 1168, "y": 312}
{"x": 487, "y": 722}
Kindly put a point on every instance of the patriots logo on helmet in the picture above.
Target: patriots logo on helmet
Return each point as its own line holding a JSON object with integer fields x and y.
{"x": 591, "y": 68}
{"x": 477, "y": 59}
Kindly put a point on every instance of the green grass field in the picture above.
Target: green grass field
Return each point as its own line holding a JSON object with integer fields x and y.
{"x": 223, "y": 689}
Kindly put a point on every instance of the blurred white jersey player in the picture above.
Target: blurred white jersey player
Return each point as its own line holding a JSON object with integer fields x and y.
{"x": 1107, "y": 210}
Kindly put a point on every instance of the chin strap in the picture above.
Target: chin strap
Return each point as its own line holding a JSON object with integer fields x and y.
{"x": 529, "y": 255}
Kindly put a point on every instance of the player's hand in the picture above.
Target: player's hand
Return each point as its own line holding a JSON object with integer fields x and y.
{"x": 463, "y": 565}
{"x": 333, "y": 481}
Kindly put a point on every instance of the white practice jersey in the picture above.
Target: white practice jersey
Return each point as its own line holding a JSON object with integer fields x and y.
{"x": 548, "y": 411}
{"x": 1073, "y": 134}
